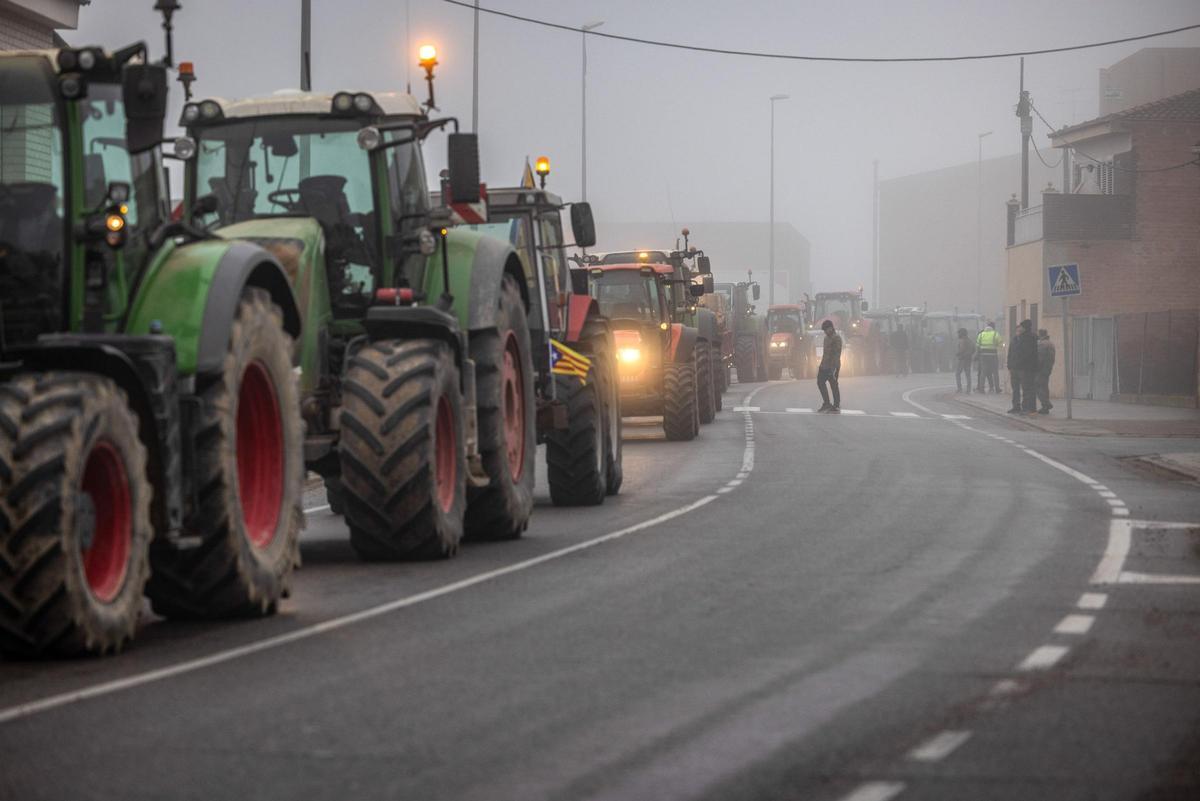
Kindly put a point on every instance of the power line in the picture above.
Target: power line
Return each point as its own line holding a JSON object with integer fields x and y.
{"x": 1095, "y": 160}
{"x": 1038, "y": 153}
{"x": 798, "y": 57}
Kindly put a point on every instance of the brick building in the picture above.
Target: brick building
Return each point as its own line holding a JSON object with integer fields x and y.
{"x": 31, "y": 24}
{"x": 1131, "y": 220}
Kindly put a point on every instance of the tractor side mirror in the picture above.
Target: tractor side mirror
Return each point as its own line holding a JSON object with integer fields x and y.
{"x": 696, "y": 290}
{"x": 708, "y": 283}
{"x": 754, "y": 291}
{"x": 705, "y": 265}
{"x": 583, "y": 224}
{"x": 864, "y": 305}
{"x": 144, "y": 92}
{"x": 204, "y": 205}
{"x": 463, "y": 161}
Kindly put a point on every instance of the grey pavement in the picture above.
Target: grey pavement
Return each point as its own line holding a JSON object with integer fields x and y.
{"x": 903, "y": 601}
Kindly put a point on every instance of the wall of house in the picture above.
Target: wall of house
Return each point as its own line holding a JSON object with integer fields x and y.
{"x": 1149, "y": 74}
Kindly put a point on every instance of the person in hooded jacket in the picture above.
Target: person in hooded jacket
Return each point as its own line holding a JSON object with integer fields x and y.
{"x": 1022, "y": 369}
{"x": 1046, "y": 355}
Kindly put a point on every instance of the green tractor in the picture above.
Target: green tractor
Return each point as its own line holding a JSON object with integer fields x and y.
{"x": 150, "y": 435}
{"x": 750, "y": 336}
{"x": 417, "y": 378}
{"x": 579, "y": 405}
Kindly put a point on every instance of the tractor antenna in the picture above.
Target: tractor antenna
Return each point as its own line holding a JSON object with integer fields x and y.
{"x": 168, "y": 8}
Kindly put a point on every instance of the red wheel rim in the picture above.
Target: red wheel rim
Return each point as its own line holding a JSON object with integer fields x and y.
{"x": 514, "y": 407}
{"x": 259, "y": 455}
{"x": 106, "y": 561}
{"x": 445, "y": 469}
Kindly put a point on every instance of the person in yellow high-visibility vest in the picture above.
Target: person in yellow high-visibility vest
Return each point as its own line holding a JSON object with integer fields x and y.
{"x": 987, "y": 349}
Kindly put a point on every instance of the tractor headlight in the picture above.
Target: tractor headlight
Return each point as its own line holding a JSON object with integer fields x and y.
{"x": 210, "y": 110}
{"x": 363, "y": 102}
{"x": 191, "y": 113}
{"x": 369, "y": 138}
{"x": 629, "y": 355}
{"x": 185, "y": 147}
{"x": 343, "y": 102}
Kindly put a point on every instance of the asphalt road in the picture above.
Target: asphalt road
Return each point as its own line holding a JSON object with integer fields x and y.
{"x": 892, "y": 604}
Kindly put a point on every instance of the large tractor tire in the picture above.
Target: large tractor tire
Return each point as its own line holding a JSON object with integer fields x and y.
{"x": 706, "y": 391}
{"x": 760, "y": 351}
{"x": 745, "y": 356}
{"x": 74, "y": 516}
{"x": 404, "y": 468}
{"x": 575, "y": 456}
{"x": 249, "y": 460}
{"x": 335, "y": 495}
{"x": 681, "y": 419}
{"x": 507, "y": 425}
{"x": 721, "y": 375}
{"x": 606, "y": 376}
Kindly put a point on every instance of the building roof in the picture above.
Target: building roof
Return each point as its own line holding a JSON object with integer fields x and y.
{"x": 1183, "y": 107}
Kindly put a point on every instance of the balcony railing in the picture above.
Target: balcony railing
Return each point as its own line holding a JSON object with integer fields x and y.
{"x": 1063, "y": 218}
{"x": 1028, "y": 225}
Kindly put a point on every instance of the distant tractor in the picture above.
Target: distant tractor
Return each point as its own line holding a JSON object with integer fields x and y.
{"x": 750, "y": 339}
{"x": 942, "y": 328}
{"x": 786, "y": 324}
{"x": 656, "y": 356}
{"x": 920, "y": 340}
{"x": 845, "y": 310}
{"x": 579, "y": 416}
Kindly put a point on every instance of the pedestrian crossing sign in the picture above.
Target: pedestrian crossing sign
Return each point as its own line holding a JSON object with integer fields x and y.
{"x": 1064, "y": 280}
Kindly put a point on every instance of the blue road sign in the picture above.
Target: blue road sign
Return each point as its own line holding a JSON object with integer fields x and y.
{"x": 1064, "y": 280}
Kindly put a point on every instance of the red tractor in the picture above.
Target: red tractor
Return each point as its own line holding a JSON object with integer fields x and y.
{"x": 786, "y": 326}
{"x": 845, "y": 311}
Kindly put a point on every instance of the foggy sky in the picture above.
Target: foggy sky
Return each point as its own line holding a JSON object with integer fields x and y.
{"x": 685, "y": 135}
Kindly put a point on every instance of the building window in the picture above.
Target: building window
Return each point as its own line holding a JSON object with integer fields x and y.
{"x": 1104, "y": 177}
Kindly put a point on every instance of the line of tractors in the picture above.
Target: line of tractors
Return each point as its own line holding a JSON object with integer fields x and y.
{"x": 169, "y": 378}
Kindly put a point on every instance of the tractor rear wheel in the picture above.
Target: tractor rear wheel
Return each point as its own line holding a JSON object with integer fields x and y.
{"x": 721, "y": 376}
{"x": 681, "y": 420}
{"x": 575, "y": 456}
{"x": 248, "y": 444}
{"x": 334, "y": 495}
{"x": 74, "y": 516}
{"x": 507, "y": 426}
{"x": 706, "y": 403}
{"x": 744, "y": 355}
{"x": 404, "y": 468}
{"x": 606, "y": 377}
{"x": 760, "y": 354}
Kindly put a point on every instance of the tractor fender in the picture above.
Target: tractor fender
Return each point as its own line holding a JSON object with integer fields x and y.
{"x": 682, "y": 344}
{"x": 582, "y": 313}
{"x": 706, "y": 325}
{"x": 493, "y": 259}
{"x": 191, "y": 293}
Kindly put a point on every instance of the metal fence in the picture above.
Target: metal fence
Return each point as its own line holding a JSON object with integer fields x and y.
{"x": 1157, "y": 353}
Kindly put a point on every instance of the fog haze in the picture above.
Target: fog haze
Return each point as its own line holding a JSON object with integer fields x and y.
{"x": 677, "y": 135}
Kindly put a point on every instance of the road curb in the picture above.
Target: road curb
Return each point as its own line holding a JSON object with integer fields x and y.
{"x": 1164, "y": 462}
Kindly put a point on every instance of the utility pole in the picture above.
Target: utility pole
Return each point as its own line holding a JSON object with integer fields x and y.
{"x": 1026, "y": 131}
{"x": 475, "y": 76}
{"x": 875, "y": 236}
{"x": 306, "y": 45}
{"x": 979, "y": 227}
{"x": 583, "y": 139}
{"x": 771, "y": 227}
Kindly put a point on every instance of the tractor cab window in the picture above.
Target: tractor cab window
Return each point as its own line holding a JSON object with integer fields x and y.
{"x": 841, "y": 310}
{"x": 406, "y": 183}
{"x": 304, "y": 167}
{"x": 627, "y": 295}
{"x": 32, "y": 197}
{"x": 785, "y": 322}
{"x": 105, "y": 157}
{"x": 554, "y": 266}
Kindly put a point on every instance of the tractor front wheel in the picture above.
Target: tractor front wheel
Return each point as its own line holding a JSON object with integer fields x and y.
{"x": 404, "y": 468}
{"x": 575, "y": 457}
{"x": 681, "y": 420}
{"x": 720, "y": 376}
{"x": 248, "y": 443}
{"x": 507, "y": 425}
{"x": 74, "y": 516}
{"x": 744, "y": 357}
{"x": 706, "y": 404}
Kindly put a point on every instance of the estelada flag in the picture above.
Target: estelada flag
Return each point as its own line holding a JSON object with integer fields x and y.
{"x": 527, "y": 179}
{"x": 565, "y": 361}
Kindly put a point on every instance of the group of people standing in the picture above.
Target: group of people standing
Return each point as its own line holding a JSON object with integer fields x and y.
{"x": 1030, "y": 362}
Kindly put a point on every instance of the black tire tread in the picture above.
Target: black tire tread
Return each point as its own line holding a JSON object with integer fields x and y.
{"x": 679, "y": 401}
{"x": 575, "y": 459}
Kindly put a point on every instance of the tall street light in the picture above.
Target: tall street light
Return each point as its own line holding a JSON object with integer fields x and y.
{"x": 584, "y": 32}
{"x": 979, "y": 228}
{"x": 771, "y": 269}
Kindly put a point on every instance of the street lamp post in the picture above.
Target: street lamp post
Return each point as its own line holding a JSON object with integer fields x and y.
{"x": 583, "y": 148}
{"x": 979, "y": 228}
{"x": 771, "y": 227}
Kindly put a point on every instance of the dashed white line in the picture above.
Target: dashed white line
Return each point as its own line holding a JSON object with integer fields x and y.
{"x": 1115, "y": 501}
{"x": 316, "y": 509}
{"x": 746, "y": 409}
{"x": 939, "y": 746}
{"x": 1128, "y": 577}
{"x": 905, "y": 414}
{"x": 801, "y": 411}
{"x": 955, "y": 417}
{"x": 1006, "y": 687}
{"x": 854, "y": 411}
{"x": 1075, "y": 624}
{"x": 1043, "y": 657}
{"x": 1105, "y": 493}
{"x": 1109, "y": 569}
{"x": 875, "y": 791}
{"x": 1092, "y": 600}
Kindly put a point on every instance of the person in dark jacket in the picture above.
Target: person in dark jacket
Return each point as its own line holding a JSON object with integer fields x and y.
{"x": 827, "y": 372}
{"x": 1022, "y": 369}
{"x": 1046, "y": 354}
{"x": 962, "y": 360}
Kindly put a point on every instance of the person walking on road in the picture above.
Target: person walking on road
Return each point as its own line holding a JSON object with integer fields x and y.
{"x": 900, "y": 349}
{"x": 1023, "y": 369}
{"x": 1045, "y": 354}
{"x": 962, "y": 360}
{"x": 987, "y": 345}
{"x": 831, "y": 365}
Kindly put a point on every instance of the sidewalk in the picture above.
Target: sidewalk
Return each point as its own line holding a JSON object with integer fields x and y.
{"x": 1094, "y": 418}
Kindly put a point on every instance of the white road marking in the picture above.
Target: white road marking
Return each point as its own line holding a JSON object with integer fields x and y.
{"x": 939, "y": 746}
{"x": 1128, "y": 577}
{"x": 875, "y": 791}
{"x": 228, "y": 655}
{"x": 801, "y": 411}
{"x": 1109, "y": 569}
{"x": 1075, "y": 624}
{"x": 746, "y": 409}
{"x": 741, "y": 475}
{"x": 1092, "y": 600}
{"x": 316, "y": 509}
{"x": 1100, "y": 488}
{"x": 724, "y": 490}
{"x": 734, "y": 483}
{"x": 1044, "y": 656}
{"x": 853, "y": 411}
{"x": 1115, "y": 501}
{"x": 1006, "y": 687}
{"x": 956, "y": 417}
{"x": 1121, "y": 512}
{"x": 1155, "y": 524}
{"x": 905, "y": 414}
{"x": 1104, "y": 493}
